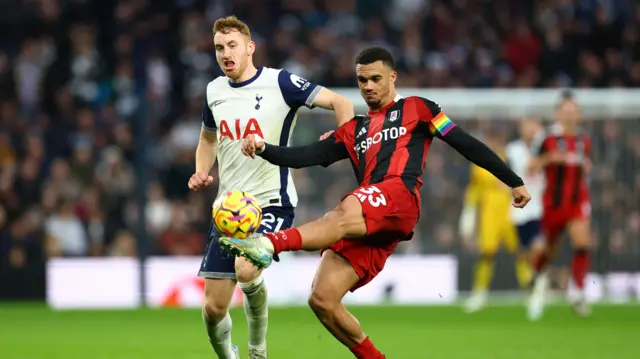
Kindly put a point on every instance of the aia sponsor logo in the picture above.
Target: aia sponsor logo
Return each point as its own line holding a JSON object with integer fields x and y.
{"x": 239, "y": 130}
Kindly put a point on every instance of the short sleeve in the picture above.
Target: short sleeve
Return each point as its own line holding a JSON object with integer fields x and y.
{"x": 208, "y": 122}
{"x": 436, "y": 121}
{"x": 296, "y": 91}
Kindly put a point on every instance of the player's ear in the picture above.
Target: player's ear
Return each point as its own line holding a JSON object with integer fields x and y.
{"x": 251, "y": 48}
{"x": 394, "y": 76}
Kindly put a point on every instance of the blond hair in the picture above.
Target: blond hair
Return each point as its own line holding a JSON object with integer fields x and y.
{"x": 231, "y": 23}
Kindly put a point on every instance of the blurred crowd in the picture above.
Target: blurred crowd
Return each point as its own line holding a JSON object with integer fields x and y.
{"x": 97, "y": 95}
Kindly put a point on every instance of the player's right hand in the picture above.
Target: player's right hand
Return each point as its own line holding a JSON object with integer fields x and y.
{"x": 252, "y": 145}
{"x": 326, "y": 135}
{"x": 520, "y": 196}
{"x": 199, "y": 180}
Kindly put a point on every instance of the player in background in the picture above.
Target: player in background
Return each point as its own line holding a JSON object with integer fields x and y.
{"x": 519, "y": 155}
{"x": 563, "y": 154}
{"x": 486, "y": 218}
{"x": 258, "y": 102}
{"x": 387, "y": 149}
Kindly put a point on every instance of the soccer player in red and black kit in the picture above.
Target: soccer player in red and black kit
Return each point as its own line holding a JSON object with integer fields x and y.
{"x": 563, "y": 154}
{"x": 387, "y": 148}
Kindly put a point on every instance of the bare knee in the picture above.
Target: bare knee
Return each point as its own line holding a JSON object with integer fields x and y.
{"x": 321, "y": 304}
{"x": 214, "y": 310}
{"x": 217, "y": 296}
{"x": 245, "y": 270}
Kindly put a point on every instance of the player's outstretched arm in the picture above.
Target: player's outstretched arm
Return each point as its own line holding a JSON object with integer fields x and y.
{"x": 321, "y": 153}
{"x": 481, "y": 155}
{"x": 330, "y": 100}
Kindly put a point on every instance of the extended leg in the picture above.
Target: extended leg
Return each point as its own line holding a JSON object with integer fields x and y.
{"x": 334, "y": 278}
{"x": 346, "y": 220}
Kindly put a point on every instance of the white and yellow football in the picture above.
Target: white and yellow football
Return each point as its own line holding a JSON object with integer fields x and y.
{"x": 237, "y": 214}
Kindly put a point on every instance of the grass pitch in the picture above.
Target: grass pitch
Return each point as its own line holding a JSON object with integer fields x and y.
{"x": 34, "y": 332}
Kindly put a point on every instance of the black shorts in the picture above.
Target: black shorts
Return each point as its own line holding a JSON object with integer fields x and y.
{"x": 529, "y": 232}
{"x": 219, "y": 264}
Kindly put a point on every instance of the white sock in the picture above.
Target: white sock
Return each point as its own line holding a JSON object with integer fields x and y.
{"x": 220, "y": 337}
{"x": 255, "y": 309}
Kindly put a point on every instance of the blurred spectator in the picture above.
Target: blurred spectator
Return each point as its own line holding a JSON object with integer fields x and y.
{"x": 181, "y": 238}
{"x": 64, "y": 232}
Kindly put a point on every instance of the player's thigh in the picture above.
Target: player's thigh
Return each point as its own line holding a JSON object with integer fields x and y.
{"x": 384, "y": 207}
{"x": 488, "y": 236}
{"x": 580, "y": 233}
{"x": 349, "y": 217}
{"x": 333, "y": 279}
{"x": 510, "y": 237}
{"x": 273, "y": 219}
{"x": 553, "y": 224}
{"x": 217, "y": 297}
{"x": 579, "y": 226}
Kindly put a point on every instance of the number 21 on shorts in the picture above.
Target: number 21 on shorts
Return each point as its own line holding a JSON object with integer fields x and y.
{"x": 268, "y": 221}
{"x": 371, "y": 194}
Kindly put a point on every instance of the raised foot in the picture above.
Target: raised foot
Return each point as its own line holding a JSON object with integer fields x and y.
{"x": 252, "y": 248}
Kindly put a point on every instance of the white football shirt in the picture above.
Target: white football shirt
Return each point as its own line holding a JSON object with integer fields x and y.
{"x": 266, "y": 106}
{"x": 519, "y": 156}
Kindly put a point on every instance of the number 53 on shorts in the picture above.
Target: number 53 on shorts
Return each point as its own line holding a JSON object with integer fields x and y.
{"x": 372, "y": 194}
{"x": 388, "y": 206}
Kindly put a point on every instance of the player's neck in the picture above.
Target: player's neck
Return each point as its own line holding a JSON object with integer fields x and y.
{"x": 385, "y": 102}
{"x": 569, "y": 130}
{"x": 248, "y": 73}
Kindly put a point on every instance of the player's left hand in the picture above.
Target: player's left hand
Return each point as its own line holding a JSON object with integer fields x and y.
{"x": 520, "y": 196}
{"x": 252, "y": 145}
{"x": 326, "y": 135}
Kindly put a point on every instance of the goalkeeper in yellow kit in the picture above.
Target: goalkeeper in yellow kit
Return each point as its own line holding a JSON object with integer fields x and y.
{"x": 486, "y": 219}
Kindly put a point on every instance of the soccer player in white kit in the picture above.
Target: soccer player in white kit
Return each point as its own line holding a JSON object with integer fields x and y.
{"x": 519, "y": 155}
{"x": 248, "y": 101}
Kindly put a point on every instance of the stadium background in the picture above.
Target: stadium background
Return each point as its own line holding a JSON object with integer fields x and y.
{"x": 100, "y": 114}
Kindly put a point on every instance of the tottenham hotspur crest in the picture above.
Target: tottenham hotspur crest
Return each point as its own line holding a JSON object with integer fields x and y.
{"x": 258, "y": 98}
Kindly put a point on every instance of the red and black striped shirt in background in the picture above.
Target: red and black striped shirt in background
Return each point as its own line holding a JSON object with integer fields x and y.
{"x": 566, "y": 182}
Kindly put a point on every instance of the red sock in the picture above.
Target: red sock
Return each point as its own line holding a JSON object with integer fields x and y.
{"x": 366, "y": 350}
{"x": 580, "y": 266}
{"x": 287, "y": 240}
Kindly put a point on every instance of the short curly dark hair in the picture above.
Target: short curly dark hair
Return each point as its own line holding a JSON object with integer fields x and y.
{"x": 376, "y": 53}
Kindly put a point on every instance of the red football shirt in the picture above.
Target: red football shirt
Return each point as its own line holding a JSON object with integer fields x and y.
{"x": 566, "y": 183}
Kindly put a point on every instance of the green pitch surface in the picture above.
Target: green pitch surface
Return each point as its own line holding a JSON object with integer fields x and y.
{"x": 28, "y": 332}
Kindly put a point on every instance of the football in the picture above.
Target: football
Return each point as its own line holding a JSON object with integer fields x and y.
{"x": 237, "y": 214}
